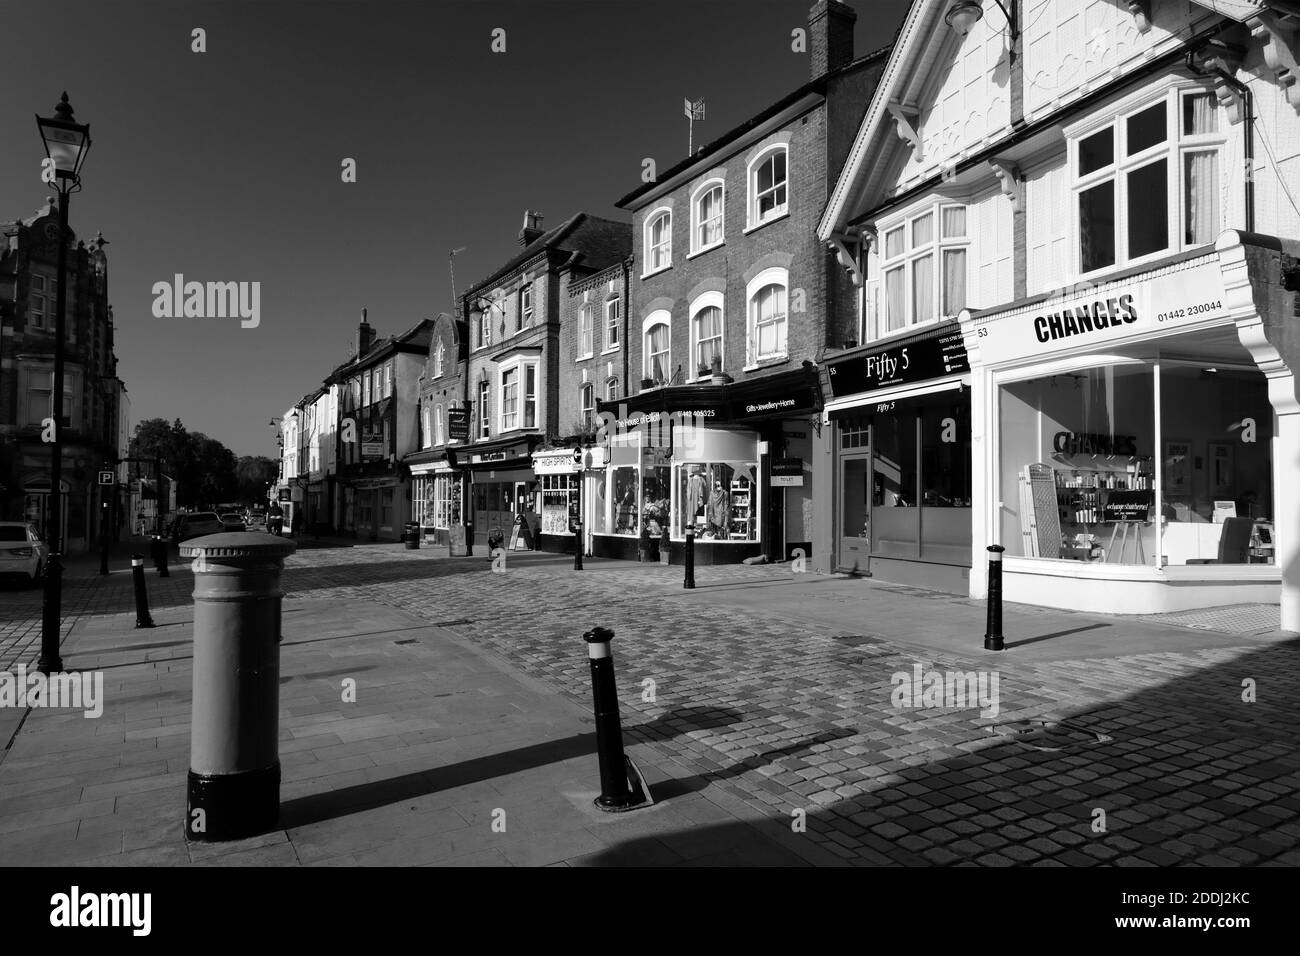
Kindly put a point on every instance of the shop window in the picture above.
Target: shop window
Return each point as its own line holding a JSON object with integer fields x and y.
{"x": 717, "y": 499}
{"x": 925, "y": 261}
{"x": 625, "y": 482}
{"x": 1149, "y": 182}
{"x": 559, "y": 503}
{"x": 1076, "y": 476}
{"x": 386, "y": 508}
{"x": 894, "y": 488}
{"x": 446, "y": 501}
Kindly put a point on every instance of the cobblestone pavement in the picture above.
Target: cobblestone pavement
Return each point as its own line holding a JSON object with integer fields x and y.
{"x": 1150, "y": 758}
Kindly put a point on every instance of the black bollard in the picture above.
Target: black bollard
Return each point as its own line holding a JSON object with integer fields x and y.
{"x": 469, "y": 539}
{"x": 993, "y": 634}
{"x": 689, "y": 580}
{"x": 103, "y": 540}
{"x": 142, "y": 617}
{"x": 577, "y": 539}
{"x": 616, "y": 793}
{"x": 159, "y": 549}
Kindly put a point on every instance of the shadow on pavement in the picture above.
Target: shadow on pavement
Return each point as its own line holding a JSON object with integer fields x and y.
{"x": 1184, "y": 772}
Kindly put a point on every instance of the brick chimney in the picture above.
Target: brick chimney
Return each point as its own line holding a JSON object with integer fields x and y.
{"x": 365, "y": 336}
{"x": 830, "y": 36}
{"x": 532, "y": 228}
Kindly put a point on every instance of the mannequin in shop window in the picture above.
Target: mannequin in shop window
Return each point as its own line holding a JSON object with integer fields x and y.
{"x": 719, "y": 510}
{"x": 696, "y": 483}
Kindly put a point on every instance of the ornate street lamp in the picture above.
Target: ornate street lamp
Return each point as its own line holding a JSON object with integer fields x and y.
{"x": 66, "y": 144}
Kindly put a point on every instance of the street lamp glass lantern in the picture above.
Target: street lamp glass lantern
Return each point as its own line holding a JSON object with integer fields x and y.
{"x": 963, "y": 15}
{"x": 66, "y": 142}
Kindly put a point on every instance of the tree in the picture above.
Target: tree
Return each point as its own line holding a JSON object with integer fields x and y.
{"x": 252, "y": 474}
{"x": 202, "y": 467}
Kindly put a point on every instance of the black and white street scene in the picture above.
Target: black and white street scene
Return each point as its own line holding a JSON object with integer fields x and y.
{"x": 739, "y": 433}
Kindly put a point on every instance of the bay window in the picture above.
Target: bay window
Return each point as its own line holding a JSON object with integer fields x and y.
{"x": 1147, "y": 183}
{"x": 925, "y": 261}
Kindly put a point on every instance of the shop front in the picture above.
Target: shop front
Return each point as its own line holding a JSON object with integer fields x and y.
{"x": 702, "y": 457}
{"x": 1126, "y": 446}
{"x": 897, "y": 436}
{"x": 502, "y": 487}
{"x": 436, "y": 500}
{"x": 378, "y": 508}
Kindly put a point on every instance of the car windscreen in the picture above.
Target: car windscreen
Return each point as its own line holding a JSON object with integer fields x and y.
{"x": 13, "y": 534}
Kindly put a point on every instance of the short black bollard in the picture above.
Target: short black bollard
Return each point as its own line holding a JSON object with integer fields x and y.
{"x": 616, "y": 770}
{"x": 993, "y": 634}
{"x": 577, "y": 541}
{"x": 469, "y": 539}
{"x": 689, "y": 580}
{"x": 142, "y": 617}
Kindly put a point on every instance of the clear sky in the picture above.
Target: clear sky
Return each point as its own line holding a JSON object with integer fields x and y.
{"x": 225, "y": 165}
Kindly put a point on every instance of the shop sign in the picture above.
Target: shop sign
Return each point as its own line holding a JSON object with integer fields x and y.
{"x": 458, "y": 424}
{"x": 372, "y": 446}
{"x": 787, "y": 473}
{"x": 555, "y": 462}
{"x": 1105, "y": 314}
{"x": 1128, "y": 506}
{"x": 934, "y": 357}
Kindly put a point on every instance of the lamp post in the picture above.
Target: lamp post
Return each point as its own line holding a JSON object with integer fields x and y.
{"x": 66, "y": 144}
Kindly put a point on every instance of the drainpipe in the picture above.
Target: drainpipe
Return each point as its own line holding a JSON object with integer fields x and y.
{"x": 1248, "y": 108}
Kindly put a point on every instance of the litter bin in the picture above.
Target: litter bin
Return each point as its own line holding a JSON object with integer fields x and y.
{"x": 411, "y": 535}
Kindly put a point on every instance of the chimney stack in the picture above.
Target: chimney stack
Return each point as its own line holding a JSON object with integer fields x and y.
{"x": 365, "y": 336}
{"x": 830, "y": 36}
{"x": 532, "y": 228}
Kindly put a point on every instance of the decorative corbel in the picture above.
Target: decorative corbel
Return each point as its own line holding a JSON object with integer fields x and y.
{"x": 1280, "y": 54}
{"x": 1013, "y": 184}
{"x": 1227, "y": 58}
{"x": 1141, "y": 10}
{"x": 840, "y": 244}
{"x": 905, "y": 120}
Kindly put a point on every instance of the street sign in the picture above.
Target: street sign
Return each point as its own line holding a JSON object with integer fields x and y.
{"x": 577, "y": 456}
{"x": 787, "y": 473}
{"x": 106, "y": 478}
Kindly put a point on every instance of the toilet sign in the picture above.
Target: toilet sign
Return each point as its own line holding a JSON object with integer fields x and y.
{"x": 106, "y": 478}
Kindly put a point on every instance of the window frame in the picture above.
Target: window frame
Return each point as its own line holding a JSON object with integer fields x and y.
{"x": 649, "y": 248}
{"x": 526, "y": 305}
{"x": 484, "y": 415}
{"x": 1173, "y": 150}
{"x": 524, "y": 400}
{"x": 701, "y": 193}
{"x": 612, "y": 324}
{"x": 707, "y": 300}
{"x": 611, "y": 389}
{"x": 768, "y": 277}
{"x": 586, "y": 331}
{"x": 439, "y": 354}
{"x": 587, "y": 404}
{"x": 650, "y": 322}
{"x": 438, "y": 435}
{"x": 752, "y": 218}
{"x": 910, "y": 253}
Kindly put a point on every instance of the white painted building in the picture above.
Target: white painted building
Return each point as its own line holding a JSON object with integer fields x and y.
{"x": 1072, "y": 223}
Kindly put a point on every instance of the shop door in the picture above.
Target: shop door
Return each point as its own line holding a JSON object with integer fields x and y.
{"x": 855, "y": 511}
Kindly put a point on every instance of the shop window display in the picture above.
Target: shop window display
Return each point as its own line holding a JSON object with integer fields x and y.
{"x": 559, "y": 503}
{"x": 718, "y": 500}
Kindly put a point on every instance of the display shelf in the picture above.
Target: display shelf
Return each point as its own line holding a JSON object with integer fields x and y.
{"x": 1082, "y": 492}
{"x": 742, "y": 511}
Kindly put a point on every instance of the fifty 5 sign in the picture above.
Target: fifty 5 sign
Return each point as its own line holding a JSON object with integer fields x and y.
{"x": 933, "y": 357}
{"x": 1110, "y": 313}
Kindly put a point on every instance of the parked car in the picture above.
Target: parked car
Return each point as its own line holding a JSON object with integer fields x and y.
{"x": 22, "y": 552}
{"x": 233, "y": 522}
{"x": 194, "y": 525}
